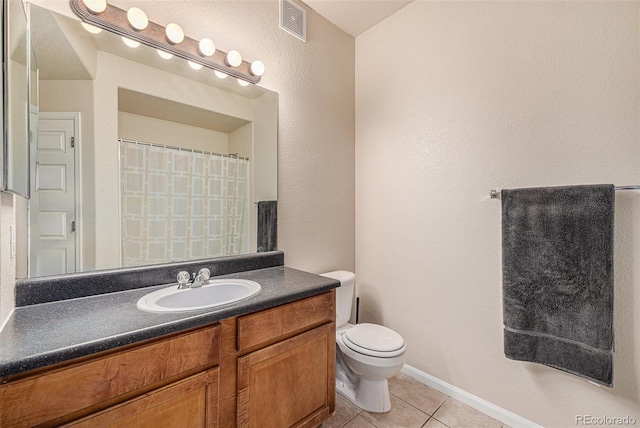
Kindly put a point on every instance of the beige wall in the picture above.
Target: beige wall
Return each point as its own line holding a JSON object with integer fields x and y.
{"x": 315, "y": 83}
{"x": 491, "y": 95}
{"x": 7, "y": 264}
{"x": 21, "y": 207}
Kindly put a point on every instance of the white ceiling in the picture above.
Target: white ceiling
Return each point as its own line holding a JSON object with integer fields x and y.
{"x": 356, "y": 16}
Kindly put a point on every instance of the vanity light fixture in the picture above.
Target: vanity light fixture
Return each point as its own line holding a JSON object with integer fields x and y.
{"x": 170, "y": 40}
{"x": 95, "y": 6}
{"x": 243, "y": 82}
{"x": 206, "y": 47}
{"x": 137, "y": 18}
{"x": 233, "y": 59}
{"x": 174, "y": 33}
{"x": 257, "y": 68}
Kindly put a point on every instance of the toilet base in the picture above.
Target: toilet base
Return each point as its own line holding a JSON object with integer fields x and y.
{"x": 369, "y": 395}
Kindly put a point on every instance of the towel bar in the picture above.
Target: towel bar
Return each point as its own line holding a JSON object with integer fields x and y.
{"x": 495, "y": 194}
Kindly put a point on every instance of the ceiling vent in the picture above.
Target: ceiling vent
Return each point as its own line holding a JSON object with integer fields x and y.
{"x": 293, "y": 19}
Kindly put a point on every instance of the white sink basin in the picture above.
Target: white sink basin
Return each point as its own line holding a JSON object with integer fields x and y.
{"x": 217, "y": 293}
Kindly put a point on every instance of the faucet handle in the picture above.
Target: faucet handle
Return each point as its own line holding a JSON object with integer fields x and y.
{"x": 183, "y": 279}
{"x": 205, "y": 274}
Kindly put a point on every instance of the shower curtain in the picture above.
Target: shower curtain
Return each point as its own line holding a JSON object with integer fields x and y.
{"x": 180, "y": 205}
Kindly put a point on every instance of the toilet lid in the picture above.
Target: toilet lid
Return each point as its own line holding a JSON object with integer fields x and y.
{"x": 375, "y": 340}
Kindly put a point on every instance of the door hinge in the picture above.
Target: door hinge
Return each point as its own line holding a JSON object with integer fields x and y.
{"x": 73, "y": 226}
{"x": 73, "y": 142}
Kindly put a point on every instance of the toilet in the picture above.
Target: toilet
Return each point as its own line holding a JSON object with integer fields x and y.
{"x": 366, "y": 354}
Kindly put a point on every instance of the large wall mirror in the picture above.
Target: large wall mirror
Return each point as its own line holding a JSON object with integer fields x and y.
{"x": 139, "y": 160}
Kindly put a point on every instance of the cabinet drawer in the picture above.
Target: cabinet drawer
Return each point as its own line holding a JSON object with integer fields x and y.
{"x": 292, "y": 318}
{"x": 41, "y": 398}
{"x": 191, "y": 402}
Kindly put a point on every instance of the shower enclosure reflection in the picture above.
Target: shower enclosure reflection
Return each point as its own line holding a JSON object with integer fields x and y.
{"x": 181, "y": 204}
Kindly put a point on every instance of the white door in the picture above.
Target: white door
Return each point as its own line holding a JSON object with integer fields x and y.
{"x": 53, "y": 217}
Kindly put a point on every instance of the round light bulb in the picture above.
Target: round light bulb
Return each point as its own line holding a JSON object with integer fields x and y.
{"x": 243, "y": 82}
{"x": 194, "y": 65}
{"x": 137, "y": 18}
{"x": 220, "y": 74}
{"x": 164, "y": 55}
{"x": 174, "y": 33}
{"x": 130, "y": 43}
{"x": 91, "y": 28}
{"x": 233, "y": 59}
{"x": 206, "y": 47}
{"x": 257, "y": 68}
{"x": 95, "y": 6}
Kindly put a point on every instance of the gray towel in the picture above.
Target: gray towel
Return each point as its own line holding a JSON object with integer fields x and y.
{"x": 267, "y": 226}
{"x": 557, "y": 265}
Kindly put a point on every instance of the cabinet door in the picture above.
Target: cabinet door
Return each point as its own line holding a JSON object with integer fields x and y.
{"x": 189, "y": 403}
{"x": 290, "y": 383}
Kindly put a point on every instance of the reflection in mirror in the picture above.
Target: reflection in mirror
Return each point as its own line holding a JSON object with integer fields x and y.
{"x": 17, "y": 99}
{"x": 141, "y": 160}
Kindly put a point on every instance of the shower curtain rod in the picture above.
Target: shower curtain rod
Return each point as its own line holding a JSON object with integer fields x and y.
{"x": 495, "y": 194}
{"x": 181, "y": 149}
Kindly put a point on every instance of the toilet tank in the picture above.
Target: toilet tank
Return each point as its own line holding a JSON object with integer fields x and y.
{"x": 344, "y": 294}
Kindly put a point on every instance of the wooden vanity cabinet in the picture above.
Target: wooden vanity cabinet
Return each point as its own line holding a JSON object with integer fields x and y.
{"x": 273, "y": 368}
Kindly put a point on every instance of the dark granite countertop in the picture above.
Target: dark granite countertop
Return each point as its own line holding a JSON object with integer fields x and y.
{"x": 39, "y": 335}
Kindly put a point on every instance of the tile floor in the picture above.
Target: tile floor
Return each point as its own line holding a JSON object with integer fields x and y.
{"x": 413, "y": 405}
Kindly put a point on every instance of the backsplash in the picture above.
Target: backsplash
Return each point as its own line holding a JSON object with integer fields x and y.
{"x": 63, "y": 287}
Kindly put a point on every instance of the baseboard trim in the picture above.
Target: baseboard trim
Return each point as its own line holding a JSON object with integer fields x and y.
{"x": 477, "y": 403}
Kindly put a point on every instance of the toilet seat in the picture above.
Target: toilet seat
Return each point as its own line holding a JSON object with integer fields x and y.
{"x": 374, "y": 340}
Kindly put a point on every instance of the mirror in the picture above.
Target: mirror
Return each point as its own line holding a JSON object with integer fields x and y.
{"x": 141, "y": 160}
{"x": 16, "y": 99}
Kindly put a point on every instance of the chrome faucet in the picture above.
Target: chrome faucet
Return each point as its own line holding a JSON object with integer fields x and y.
{"x": 193, "y": 281}
{"x": 202, "y": 278}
